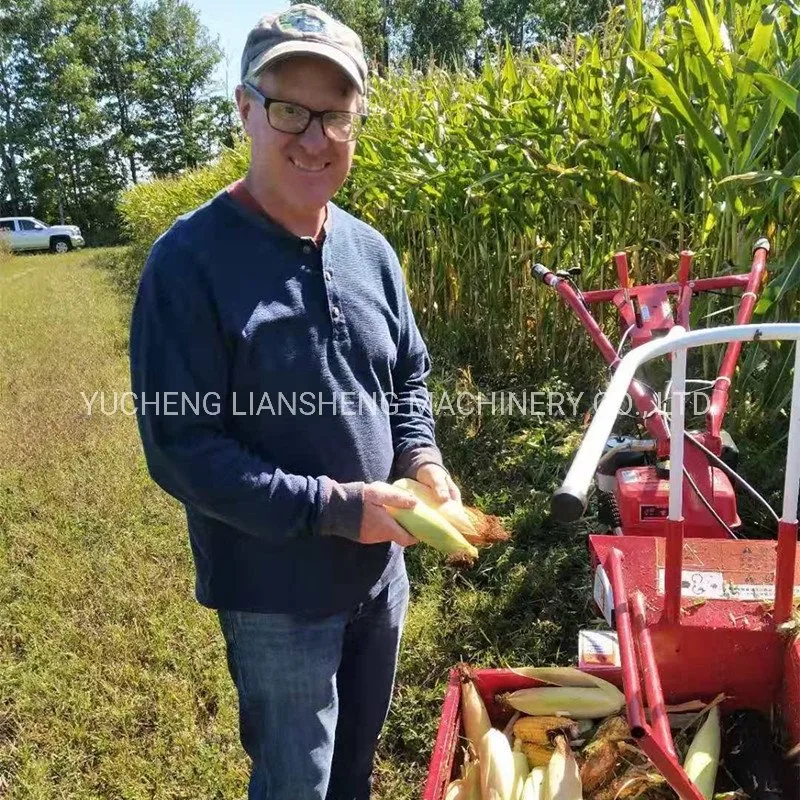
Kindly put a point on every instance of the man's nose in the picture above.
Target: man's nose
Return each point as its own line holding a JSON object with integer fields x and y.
{"x": 313, "y": 138}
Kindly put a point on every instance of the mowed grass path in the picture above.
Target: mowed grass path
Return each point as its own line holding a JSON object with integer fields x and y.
{"x": 112, "y": 679}
{"x": 113, "y": 682}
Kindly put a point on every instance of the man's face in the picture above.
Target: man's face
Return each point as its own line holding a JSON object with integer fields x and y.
{"x": 304, "y": 170}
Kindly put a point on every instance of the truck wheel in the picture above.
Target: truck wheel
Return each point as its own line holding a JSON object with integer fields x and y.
{"x": 60, "y": 244}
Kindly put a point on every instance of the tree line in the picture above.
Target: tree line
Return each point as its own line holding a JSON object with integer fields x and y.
{"x": 96, "y": 95}
{"x": 463, "y": 33}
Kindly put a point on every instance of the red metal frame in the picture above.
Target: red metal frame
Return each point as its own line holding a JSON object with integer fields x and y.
{"x": 755, "y": 667}
{"x": 645, "y": 311}
{"x": 655, "y": 298}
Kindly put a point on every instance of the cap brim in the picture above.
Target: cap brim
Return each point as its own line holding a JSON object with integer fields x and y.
{"x": 288, "y": 49}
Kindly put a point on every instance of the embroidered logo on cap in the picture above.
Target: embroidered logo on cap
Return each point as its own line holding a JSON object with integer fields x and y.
{"x": 300, "y": 20}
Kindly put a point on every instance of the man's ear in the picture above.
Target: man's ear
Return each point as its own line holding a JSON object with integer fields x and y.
{"x": 244, "y": 104}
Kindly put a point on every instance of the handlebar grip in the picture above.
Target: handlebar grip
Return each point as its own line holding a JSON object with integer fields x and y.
{"x": 566, "y": 505}
{"x": 540, "y": 271}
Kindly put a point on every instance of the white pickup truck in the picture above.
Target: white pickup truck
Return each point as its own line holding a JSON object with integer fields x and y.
{"x": 28, "y": 233}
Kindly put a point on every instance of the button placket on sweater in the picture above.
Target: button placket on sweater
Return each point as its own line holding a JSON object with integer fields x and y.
{"x": 335, "y": 310}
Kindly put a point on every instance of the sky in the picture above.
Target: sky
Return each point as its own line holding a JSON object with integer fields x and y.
{"x": 231, "y": 20}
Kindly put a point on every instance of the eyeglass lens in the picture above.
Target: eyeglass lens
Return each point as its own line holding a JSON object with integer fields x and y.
{"x": 338, "y": 125}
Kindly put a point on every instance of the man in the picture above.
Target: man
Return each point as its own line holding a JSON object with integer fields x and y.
{"x": 272, "y": 314}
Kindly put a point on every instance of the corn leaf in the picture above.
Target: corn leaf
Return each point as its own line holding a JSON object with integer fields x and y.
{"x": 763, "y": 35}
{"x": 669, "y": 91}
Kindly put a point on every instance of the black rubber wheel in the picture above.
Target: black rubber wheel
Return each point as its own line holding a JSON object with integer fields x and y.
{"x": 60, "y": 244}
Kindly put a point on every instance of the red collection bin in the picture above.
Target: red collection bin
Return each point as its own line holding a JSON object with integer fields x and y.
{"x": 446, "y": 758}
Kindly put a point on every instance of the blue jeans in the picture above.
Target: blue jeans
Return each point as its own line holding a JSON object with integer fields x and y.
{"x": 314, "y": 693}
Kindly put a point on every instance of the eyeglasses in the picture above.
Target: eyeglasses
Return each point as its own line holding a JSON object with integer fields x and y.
{"x": 340, "y": 126}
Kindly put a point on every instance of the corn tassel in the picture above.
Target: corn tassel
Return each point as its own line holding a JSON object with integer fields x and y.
{"x": 702, "y": 759}
{"x": 473, "y": 711}
{"x": 539, "y": 729}
{"x": 429, "y": 526}
{"x": 534, "y": 788}
{"x": 563, "y": 777}
{"x": 497, "y": 766}
{"x": 475, "y": 526}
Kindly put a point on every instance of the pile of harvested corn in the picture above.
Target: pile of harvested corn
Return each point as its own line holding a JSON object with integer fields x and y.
{"x": 570, "y": 740}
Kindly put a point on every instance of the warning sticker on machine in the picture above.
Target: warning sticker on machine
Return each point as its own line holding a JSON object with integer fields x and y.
{"x": 713, "y": 586}
{"x": 653, "y": 512}
{"x": 597, "y": 649}
{"x": 697, "y": 584}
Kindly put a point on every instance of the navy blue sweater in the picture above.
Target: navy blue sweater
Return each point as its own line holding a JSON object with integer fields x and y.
{"x": 273, "y": 378}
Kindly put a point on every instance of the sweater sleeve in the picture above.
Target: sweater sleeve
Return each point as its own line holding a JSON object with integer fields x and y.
{"x": 179, "y": 375}
{"x": 412, "y": 416}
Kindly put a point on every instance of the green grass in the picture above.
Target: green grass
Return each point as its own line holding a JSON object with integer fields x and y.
{"x": 112, "y": 679}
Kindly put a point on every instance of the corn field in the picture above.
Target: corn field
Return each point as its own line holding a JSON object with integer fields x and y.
{"x": 652, "y": 137}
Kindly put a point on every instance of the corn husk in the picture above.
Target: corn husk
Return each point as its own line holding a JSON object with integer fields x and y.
{"x": 455, "y": 790}
{"x": 599, "y": 766}
{"x": 429, "y": 526}
{"x": 497, "y": 766}
{"x": 575, "y": 694}
{"x": 472, "y": 781}
{"x": 612, "y": 729}
{"x": 521, "y": 770}
{"x": 702, "y": 759}
{"x": 477, "y": 528}
{"x": 535, "y": 784}
{"x": 563, "y": 776}
{"x": 636, "y": 783}
{"x": 562, "y": 701}
{"x": 473, "y": 710}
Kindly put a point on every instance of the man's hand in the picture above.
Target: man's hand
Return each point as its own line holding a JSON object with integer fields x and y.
{"x": 377, "y": 524}
{"x": 436, "y": 478}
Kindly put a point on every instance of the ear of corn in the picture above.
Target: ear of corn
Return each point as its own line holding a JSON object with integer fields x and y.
{"x": 472, "y": 781}
{"x": 475, "y": 526}
{"x": 455, "y": 790}
{"x": 569, "y": 676}
{"x": 521, "y": 770}
{"x": 539, "y": 729}
{"x": 468, "y": 786}
{"x": 598, "y": 768}
{"x": 563, "y": 701}
{"x": 538, "y": 755}
{"x": 575, "y": 694}
{"x": 427, "y": 525}
{"x": 612, "y": 729}
{"x": 534, "y": 787}
{"x": 563, "y": 777}
{"x": 702, "y": 759}
{"x": 497, "y": 766}
{"x": 473, "y": 711}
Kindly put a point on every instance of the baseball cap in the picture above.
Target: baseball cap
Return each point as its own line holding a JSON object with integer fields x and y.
{"x": 304, "y": 29}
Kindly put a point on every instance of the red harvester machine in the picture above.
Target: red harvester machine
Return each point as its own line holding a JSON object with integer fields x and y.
{"x": 697, "y": 612}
